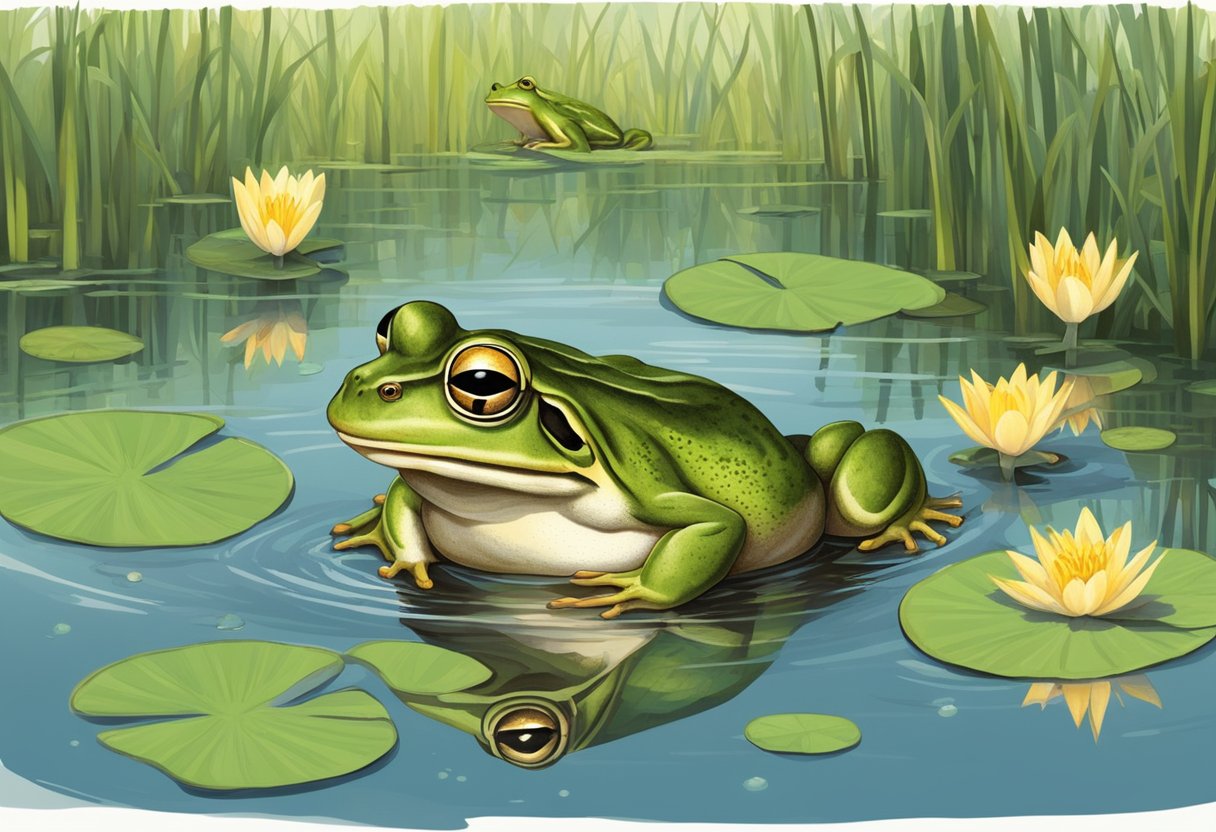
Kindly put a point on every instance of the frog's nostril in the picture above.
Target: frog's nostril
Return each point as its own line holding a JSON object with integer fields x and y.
{"x": 493, "y": 87}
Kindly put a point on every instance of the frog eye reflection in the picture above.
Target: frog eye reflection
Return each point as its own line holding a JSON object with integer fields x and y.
{"x": 528, "y": 737}
{"x": 526, "y": 83}
{"x": 382, "y": 330}
{"x": 484, "y": 383}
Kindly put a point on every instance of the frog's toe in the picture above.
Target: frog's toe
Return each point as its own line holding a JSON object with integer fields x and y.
{"x": 952, "y": 519}
{"x": 953, "y": 501}
{"x": 901, "y": 530}
{"x": 379, "y": 499}
{"x": 893, "y": 534}
{"x": 617, "y": 579}
{"x": 927, "y": 531}
{"x": 415, "y": 568}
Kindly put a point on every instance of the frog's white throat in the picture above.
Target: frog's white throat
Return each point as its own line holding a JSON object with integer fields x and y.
{"x": 520, "y": 118}
{"x": 440, "y": 462}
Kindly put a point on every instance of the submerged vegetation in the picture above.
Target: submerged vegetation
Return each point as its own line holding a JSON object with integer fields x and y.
{"x": 975, "y": 126}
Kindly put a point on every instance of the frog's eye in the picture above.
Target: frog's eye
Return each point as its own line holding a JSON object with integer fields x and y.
{"x": 528, "y": 737}
{"x": 484, "y": 383}
{"x": 382, "y": 330}
{"x": 526, "y": 83}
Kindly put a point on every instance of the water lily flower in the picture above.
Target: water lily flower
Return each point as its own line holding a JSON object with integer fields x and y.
{"x": 1080, "y": 573}
{"x": 1011, "y": 416}
{"x": 1092, "y": 697}
{"x": 272, "y": 331}
{"x": 278, "y": 213}
{"x": 1076, "y": 284}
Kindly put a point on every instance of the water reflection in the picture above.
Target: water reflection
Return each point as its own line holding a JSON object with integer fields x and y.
{"x": 564, "y": 682}
{"x": 273, "y": 327}
{"x": 1092, "y": 697}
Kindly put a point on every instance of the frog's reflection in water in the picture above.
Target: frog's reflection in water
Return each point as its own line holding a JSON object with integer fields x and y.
{"x": 566, "y": 681}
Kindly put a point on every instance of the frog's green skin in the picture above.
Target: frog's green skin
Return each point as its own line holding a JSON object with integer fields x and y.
{"x": 556, "y": 689}
{"x": 653, "y": 482}
{"x": 550, "y": 120}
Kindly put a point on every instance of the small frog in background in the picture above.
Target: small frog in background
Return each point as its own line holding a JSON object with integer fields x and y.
{"x": 550, "y": 120}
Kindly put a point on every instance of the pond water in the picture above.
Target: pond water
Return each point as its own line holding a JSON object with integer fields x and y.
{"x": 579, "y": 256}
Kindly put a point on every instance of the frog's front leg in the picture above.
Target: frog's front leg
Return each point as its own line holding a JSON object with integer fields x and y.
{"x": 395, "y": 528}
{"x": 697, "y": 553}
{"x": 876, "y": 487}
{"x": 563, "y": 135}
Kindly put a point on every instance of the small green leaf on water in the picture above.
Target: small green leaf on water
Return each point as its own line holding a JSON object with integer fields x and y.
{"x": 413, "y": 667}
{"x": 1203, "y": 388}
{"x": 908, "y": 214}
{"x": 796, "y": 292}
{"x": 235, "y": 737}
{"x": 79, "y": 344}
{"x": 958, "y": 616}
{"x": 1138, "y": 438}
{"x": 135, "y": 478}
{"x": 780, "y": 211}
{"x": 802, "y": 733}
{"x": 953, "y": 305}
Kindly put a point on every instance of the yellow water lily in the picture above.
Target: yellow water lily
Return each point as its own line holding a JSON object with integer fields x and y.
{"x": 1076, "y": 284}
{"x": 1010, "y": 416}
{"x": 277, "y": 213}
{"x": 1092, "y": 697}
{"x": 272, "y": 331}
{"x": 1080, "y": 573}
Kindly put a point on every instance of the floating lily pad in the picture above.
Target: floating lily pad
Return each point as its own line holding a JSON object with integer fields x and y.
{"x": 231, "y": 252}
{"x": 796, "y": 292}
{"x": 950, "y": 276}
{"x": 197, "y": 199}
{"x": 953, "y": 305}
{"x": 802, "y": 733}
{"x": 136, "y": 478}
{"x": 1108, "y": 378}
{"x": 780, "y": 211}
{"x": 413, "y": 667}
{"x": 237, "y": 737}
{"x": 79, "y": 344}
{"x": 908, "y": 214}
{"x": 987, "y": 457}
{"x": 1203, "y": 388}
{"x": 1138, "y": 438}
{"x": 958, "y": 616}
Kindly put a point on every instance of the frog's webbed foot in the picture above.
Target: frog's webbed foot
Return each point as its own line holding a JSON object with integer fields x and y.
{"x": 632, "y": 594}
{"x": 396, "y": 533}
{"x": 918, "y": 521}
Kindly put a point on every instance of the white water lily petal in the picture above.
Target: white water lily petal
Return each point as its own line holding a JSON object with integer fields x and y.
{"x": 1012, "y": 433}
{"x": 276, "y": 238}
{"x": 1029, "y": 595}
{"x": 1073, "y": 597}
{"x": 1074, "y": 303}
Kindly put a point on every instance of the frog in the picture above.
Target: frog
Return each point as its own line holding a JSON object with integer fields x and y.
{"x": 548, "y": 120}
{"x": 520, "y": 455}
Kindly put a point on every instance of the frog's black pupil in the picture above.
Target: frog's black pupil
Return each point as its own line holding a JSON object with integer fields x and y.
{"x": 525, "y": 740}
{"x": 482, "y": 383}
{"x": 385, "y": 322}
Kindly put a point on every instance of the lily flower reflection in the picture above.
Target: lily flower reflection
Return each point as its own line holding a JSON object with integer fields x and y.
{"x": 1092, "y": 698}
{"x": 277, "y": 326}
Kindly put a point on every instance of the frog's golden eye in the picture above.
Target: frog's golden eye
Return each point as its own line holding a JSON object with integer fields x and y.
{"x": 382, "y": 330}
{"x": 528, "y": 737}
{"x": 484, "y": 383}
{"x": 526, "y": 83}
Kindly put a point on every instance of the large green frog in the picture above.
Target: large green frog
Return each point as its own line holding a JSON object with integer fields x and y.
{"x": 550, "y": 120}
{"x": 520, "y": 455}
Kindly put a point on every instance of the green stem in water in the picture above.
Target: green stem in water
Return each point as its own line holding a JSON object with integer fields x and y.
{"x": 1007, "y": 466}
{"x": 278, "y": 261}
{"x": 1070, "y": 345}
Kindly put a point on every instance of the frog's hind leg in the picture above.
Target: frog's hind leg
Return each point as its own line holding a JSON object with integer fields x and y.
{"x": 395, "y": 528}
{"x": 876, "y": 487}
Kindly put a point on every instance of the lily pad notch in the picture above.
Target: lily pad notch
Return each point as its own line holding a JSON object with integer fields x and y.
{"x": 795, "y": 292}
{"x": 241, "y": 725}
{"x": 136, "y": 478}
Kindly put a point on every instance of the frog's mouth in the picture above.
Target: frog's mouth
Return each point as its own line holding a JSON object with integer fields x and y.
{"x": 519, "y": 117}
{"x": 449, "y": 464}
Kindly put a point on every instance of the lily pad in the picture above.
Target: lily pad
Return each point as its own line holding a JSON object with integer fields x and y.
{"x": 413, "y": 667}
{"x": 780, "y": 211}
{"x": 953, "y": 305}
{"x": 796, "y": 292}
{"x": 79, "y": 344}
{"x": 802, "y": 733}
{"x": 1138, "y": 438}
{"x": 908, "y": 214}
{"x": 237, "y": 736}
{"x": 136, "y": 478}
{"x": 197, "y": 199}
{"x": 958, "y": 616}
{"x": 1108, "y": 378}
{"x": 1203, "y": 388}
{"x": 231, "y": 252}
{"x": 986, "y": 457}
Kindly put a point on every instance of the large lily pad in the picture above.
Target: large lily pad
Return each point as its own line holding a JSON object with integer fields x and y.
{"x": 958, "y": 616}
{"x": 231, "y": 252}
{"x": 136, "y": 478}
{"x": 79, "y": 344}
{"x": 802, "y": 733}
{"x": 1135, "y": 438}
{"x": 797, "y": 292}
{"x": 237, "y": 737}
{"x": 412, "y": 667}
